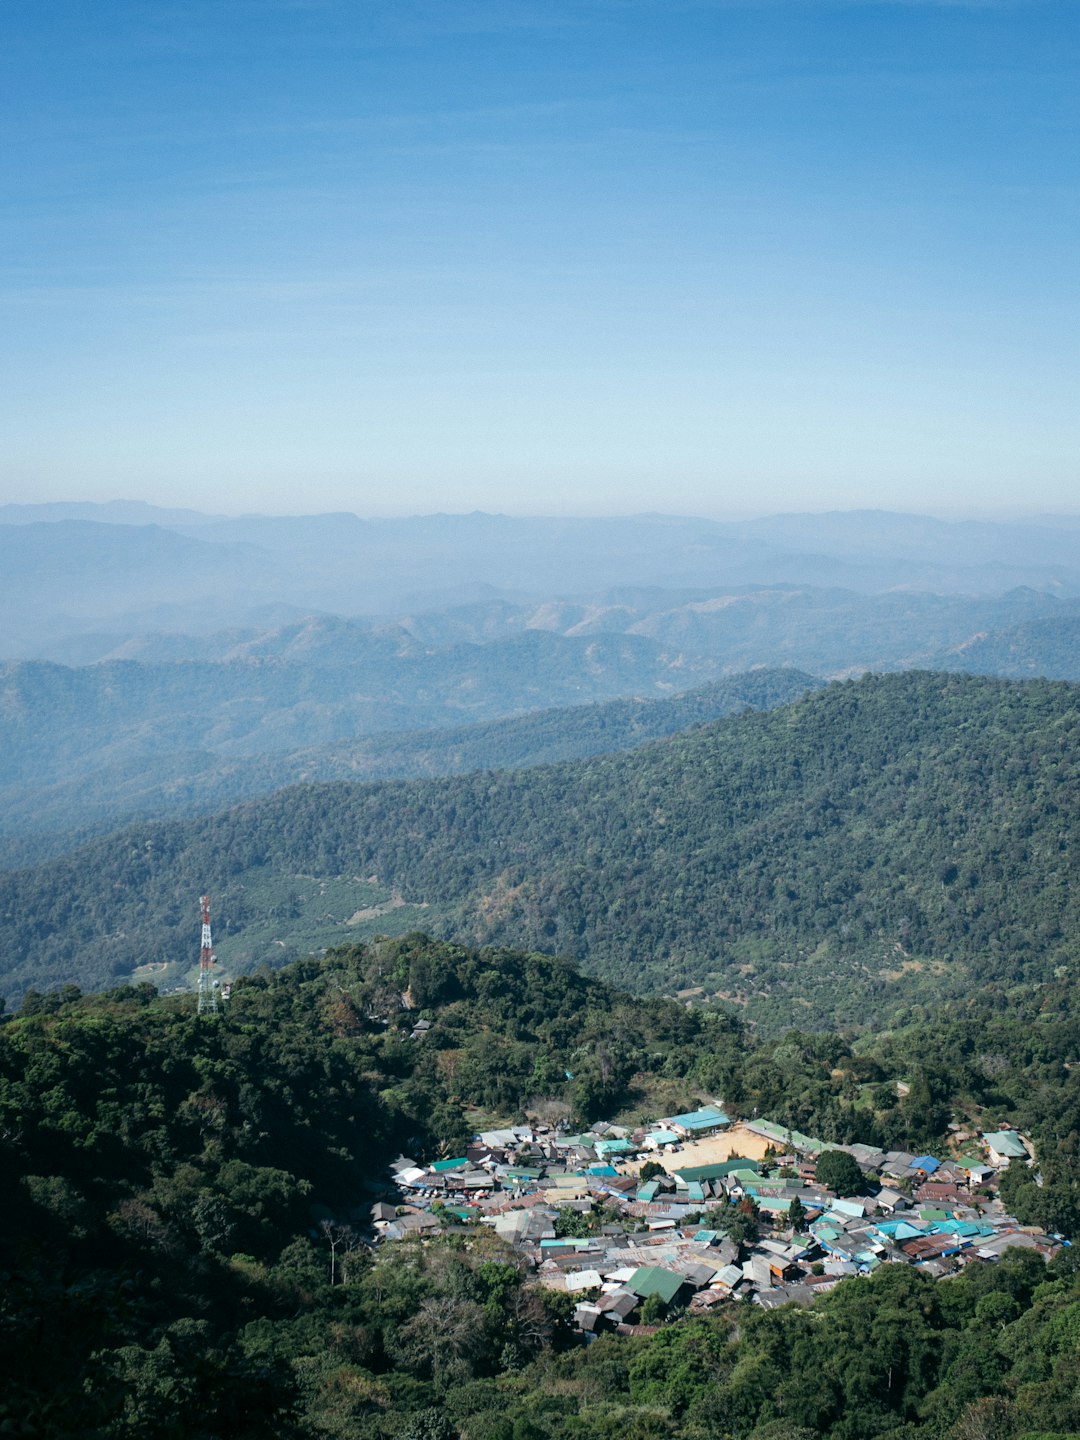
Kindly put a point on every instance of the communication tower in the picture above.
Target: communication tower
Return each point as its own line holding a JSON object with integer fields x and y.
{"x": 208, "y": 986}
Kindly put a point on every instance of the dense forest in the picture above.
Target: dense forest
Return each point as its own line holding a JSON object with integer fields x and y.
{"x": 53, "y": 816}
{"x": 165, "y": 1179}
{"x": 879, "y": 843}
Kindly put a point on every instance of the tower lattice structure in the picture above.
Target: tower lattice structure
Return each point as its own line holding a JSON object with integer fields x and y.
{"x": 208, "y": 987}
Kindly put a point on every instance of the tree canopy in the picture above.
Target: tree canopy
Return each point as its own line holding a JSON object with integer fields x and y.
{"x": 839, "y": 1172}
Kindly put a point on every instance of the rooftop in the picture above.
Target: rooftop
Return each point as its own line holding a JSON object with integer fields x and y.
{"x": 652, "y": 1280}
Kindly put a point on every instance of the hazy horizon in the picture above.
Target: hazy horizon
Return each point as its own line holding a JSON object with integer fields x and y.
{"x": 1014, "y": 516}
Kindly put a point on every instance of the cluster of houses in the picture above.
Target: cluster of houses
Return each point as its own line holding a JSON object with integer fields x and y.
{"x": 578, "y": 1208}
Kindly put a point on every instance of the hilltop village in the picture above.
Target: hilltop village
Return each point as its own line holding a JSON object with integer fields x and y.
{"x": 677, "y": 1217}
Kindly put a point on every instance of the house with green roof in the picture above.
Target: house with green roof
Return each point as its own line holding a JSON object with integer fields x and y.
{"x": 774, "y": 1204}
{"x": 718, "y": 1171}
{"x": 1005, "y": 1145}
{"x": 655, "y": 1280}
{"x": 785, "y": 1138}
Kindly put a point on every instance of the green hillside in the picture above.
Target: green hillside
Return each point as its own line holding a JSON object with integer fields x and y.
{"x": 1046, "y": 645}
{"x": 163, "y": 1180}
{"x": 892, "y": 839}
{"x": 38, "y": 820}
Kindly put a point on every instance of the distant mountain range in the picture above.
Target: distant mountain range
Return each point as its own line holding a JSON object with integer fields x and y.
{"x": 57, "y": 721}
{"x": 1048, "y": 645}
{"x": 69, "y": 569}
{"x": 139, "y": 724}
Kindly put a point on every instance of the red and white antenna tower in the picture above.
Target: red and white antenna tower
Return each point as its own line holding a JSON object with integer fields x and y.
{"x": 208, "y": 987}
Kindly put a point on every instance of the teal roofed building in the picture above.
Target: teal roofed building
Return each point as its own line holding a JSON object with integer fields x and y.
{"x": 763, "y": 1185}
{"x": 899, "y": 1230}
{"x": 692, "y": 1193}
{"x": 966, "y": 1229}
{"x": 850, "y": 1209}
{"x": 784, "y": 1137}
{"x": 1005, "y": 1145}
{"x": 604, "y": 1148}
{"x": 774, "y": 1204}
{"x": 697, "y": 1122}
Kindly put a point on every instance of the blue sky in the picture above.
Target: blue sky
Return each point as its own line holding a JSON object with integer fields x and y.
{"x": 592, "y": 257}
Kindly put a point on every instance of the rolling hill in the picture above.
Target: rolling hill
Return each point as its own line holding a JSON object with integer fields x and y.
{"x": 47, "y": 818}
{"x": 58, "y": 721}
{"x": 1046, "y": 645}
{"x": 891, "y": 840}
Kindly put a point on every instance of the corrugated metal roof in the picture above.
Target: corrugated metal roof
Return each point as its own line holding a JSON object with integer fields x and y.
{"x": 707, "y": 1118}
{"x": 652, "y": 1280}
{"x": 1007, "y": 1143}
{"x": 717, "y": 1171}
{"x": 613, "y": 1147}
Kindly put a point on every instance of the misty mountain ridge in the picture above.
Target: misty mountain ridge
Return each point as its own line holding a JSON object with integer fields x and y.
{"x": 57, "y": 721}
{"x": 828, "y": 632}
{"x": 166, "y": 723}
{"x": 69, "y": 572}
{"x": 859, "y": 533}
{"x": 173, "y": 657}
{"x": 1047, "y": 645}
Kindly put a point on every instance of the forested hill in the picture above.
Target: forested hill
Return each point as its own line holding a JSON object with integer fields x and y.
{"x": 897, "y": 837}
{"x": 163, "y": 1179}
{"x": 1047, "y": 645}
{"x": 38, "y": 820}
